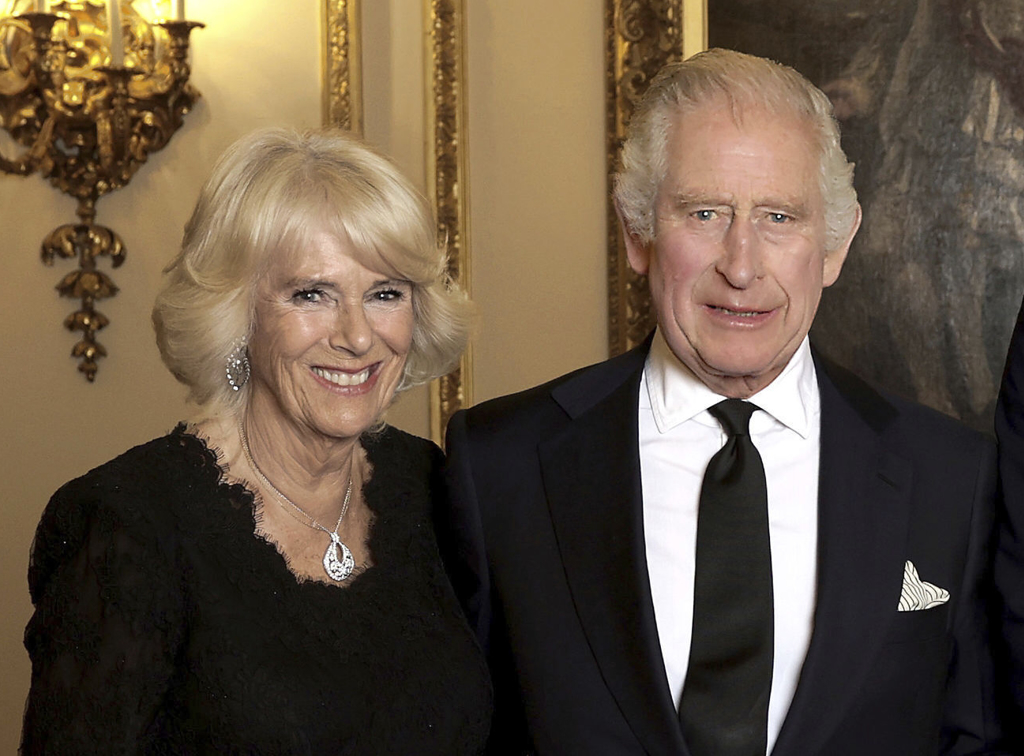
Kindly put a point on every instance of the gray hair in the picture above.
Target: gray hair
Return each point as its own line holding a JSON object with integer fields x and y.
{"x": 271, "y": 193}
{"x": 742, "y": 80}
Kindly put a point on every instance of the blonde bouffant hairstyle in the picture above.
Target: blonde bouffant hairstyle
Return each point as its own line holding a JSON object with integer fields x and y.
{"x": 272, "y": 193}
{"x": 741, "y": 80}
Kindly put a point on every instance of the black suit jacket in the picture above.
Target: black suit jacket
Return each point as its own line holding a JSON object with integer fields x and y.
{"x": 545, "y": 489}
{"x": 1009, "y": 565}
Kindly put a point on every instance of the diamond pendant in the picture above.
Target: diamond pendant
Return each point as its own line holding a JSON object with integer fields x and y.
{"x": 338, "y": 568}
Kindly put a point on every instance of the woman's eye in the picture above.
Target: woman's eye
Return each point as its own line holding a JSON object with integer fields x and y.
{"x": 311, "y": 296}
{"x": 389, "y": 294}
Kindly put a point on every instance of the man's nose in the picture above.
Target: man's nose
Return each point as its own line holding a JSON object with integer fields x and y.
{"x": 741, "y": 259}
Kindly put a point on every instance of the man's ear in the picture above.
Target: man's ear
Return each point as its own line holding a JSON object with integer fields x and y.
{"x": 637, "y": 252}
{"x": 834, "y": 260}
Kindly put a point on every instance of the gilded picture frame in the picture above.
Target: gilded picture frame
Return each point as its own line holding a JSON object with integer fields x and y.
{"x": 342, "y": 66}
{"x": 641, "y": 36}
{"x": 447, "y": 181}
{"x": 446, "y": 151}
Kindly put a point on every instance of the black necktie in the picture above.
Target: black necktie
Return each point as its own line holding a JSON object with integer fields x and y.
{"x": 724, "y": 708}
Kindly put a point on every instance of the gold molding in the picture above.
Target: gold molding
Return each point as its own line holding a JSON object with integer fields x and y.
{"x": 447, "y": 176}
{"x": 640, "y": 37}
{"x": 342, "y": 69}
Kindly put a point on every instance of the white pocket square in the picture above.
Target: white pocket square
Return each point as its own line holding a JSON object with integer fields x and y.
{"x": 917, "y": 594}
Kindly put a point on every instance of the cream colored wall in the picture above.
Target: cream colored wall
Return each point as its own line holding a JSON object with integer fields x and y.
{"x": 536, "y": 200}
{"x": 535, "y": 78}
{"x": 537, "y": 189}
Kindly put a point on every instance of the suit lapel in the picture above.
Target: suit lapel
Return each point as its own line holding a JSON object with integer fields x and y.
{"x": 591, "y": 477}
{"x": 863, "y": 517}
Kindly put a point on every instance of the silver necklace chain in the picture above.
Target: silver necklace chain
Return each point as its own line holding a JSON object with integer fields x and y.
{"x": 338, "y": 561}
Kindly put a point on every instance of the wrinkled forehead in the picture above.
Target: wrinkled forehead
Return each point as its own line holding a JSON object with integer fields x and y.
{"x": 782, "y": 134}
{"x": 742, "y": 108}
{"x": 304, "y": 247}
{"x": 758, "y": 158}
{"x": 301, "y": 226}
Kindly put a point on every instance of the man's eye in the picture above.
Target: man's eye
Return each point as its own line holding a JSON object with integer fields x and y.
{"x": 778, "y": 217}
{"x": 704, "y": 215}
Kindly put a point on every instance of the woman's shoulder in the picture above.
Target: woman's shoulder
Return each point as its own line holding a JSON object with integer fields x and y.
{"x": 137, "y": 495}
{"x": 407, "y": 472}
{"x": 156, "y": 467}
{"x": 393, "y": 446}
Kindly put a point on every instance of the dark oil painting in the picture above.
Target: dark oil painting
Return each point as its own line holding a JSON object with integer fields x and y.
{"x": 930, "y": 97}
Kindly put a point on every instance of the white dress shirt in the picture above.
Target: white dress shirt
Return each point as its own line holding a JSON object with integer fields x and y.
{"x": 678, "y": 436}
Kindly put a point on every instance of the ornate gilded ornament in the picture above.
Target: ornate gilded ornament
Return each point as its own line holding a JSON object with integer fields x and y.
{"x": 447, "y": 177}
{"x": 89, "y": 117}
{"x": 641, "y": 36}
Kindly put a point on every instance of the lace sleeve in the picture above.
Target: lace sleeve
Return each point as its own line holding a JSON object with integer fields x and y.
{"x": 109, "y": 616}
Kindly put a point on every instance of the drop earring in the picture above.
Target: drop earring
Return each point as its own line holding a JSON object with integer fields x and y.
{"x": 238, "y": 365}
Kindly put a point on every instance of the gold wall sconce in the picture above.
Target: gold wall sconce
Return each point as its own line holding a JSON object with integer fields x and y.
{"x": 89, "y": 106}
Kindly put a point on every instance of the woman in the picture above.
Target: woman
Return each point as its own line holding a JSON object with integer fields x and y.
{"x": 265, "y": 579}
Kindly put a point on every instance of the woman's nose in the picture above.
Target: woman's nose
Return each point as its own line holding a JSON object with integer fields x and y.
{"x": 352, "y": 331}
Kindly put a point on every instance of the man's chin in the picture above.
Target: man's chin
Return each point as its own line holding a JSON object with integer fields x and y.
{"x": 739, "y": 375}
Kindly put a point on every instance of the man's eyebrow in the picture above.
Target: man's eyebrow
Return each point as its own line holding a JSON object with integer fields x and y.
{"x": 796, "y": 208}
{"x": 689, "y": 199}
{"x": 684, "y": 199}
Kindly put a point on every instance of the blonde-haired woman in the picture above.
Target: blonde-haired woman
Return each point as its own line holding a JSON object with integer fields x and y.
{"x": 266, "y": 579}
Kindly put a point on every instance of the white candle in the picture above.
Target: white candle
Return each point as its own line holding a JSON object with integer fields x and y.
{"x": 41, "y": 6}
{"x": 179, "y": 10}
{"x": 116, "y": 35}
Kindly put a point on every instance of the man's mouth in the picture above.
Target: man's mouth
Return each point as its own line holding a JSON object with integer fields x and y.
{"x": 739, "y": 313}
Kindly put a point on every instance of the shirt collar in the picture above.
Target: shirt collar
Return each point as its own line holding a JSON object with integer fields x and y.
{"x": 677, "y": 395}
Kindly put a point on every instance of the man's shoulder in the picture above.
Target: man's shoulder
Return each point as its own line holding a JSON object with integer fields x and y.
{"x": 895, "y": 416}
{"x": 561, "y": 397}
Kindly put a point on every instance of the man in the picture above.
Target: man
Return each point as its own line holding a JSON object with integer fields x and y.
{"x": 1009, "y": 559}
{"x": 837, "y": 609}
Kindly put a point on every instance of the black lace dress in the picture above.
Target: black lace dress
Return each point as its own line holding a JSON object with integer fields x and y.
{"x": 163, "y": 625}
